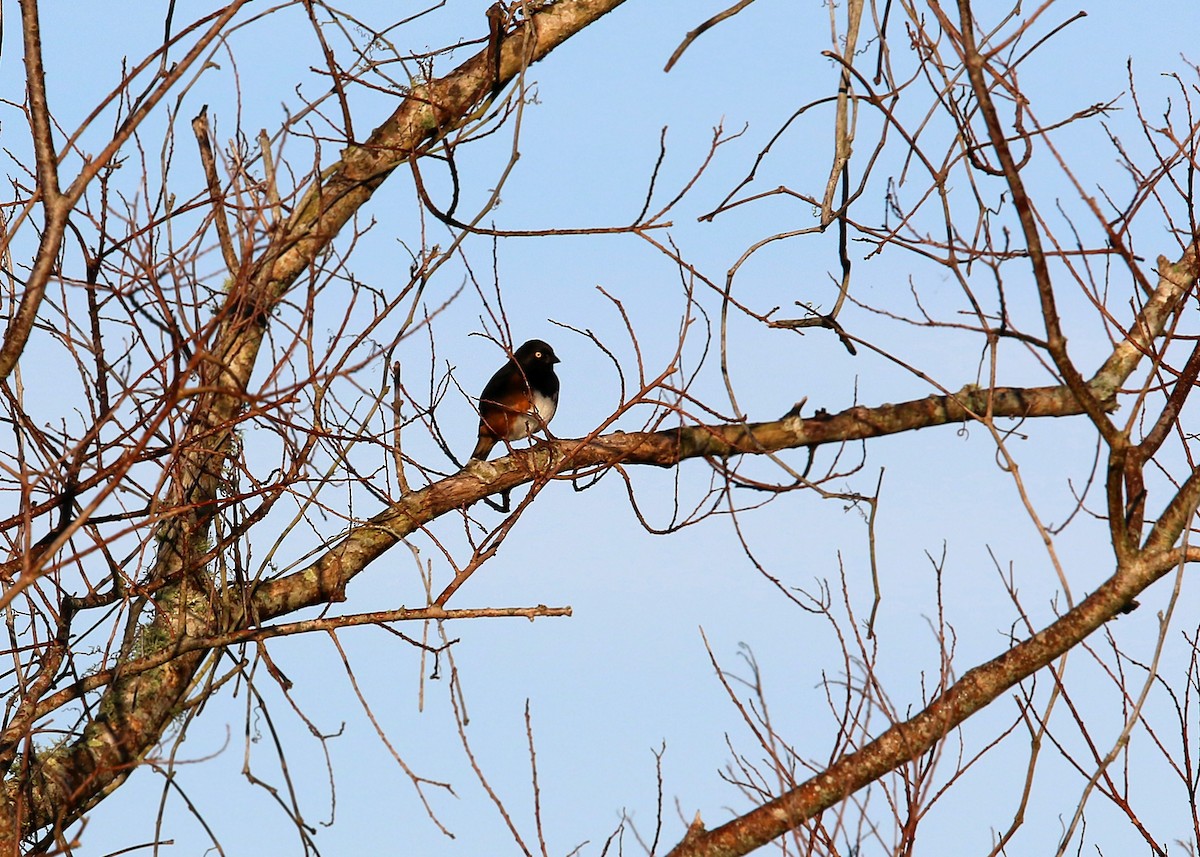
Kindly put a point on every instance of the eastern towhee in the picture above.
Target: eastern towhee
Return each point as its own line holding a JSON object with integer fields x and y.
{"x": 520, "y": 399}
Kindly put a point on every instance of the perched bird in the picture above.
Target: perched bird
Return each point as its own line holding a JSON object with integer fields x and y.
{"x": 520, "y": 399}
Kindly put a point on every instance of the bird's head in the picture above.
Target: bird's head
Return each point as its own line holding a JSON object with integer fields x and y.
{"x": 535, "y": 352}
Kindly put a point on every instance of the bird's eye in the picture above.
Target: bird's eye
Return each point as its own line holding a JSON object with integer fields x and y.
{"x": 537, "y": 354}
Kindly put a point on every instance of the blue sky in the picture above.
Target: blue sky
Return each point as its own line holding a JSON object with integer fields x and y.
{"x": 628, "y": 673}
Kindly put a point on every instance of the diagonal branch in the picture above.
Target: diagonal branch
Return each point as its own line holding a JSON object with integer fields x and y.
{"x": 1175, "y": 279}
{"x": 55, "y": 211}
{"x": 912, "y": 738}
{"x": 56, "y": 788}
{"x": 39, "y": 108}
{"x": 326, "y": 579}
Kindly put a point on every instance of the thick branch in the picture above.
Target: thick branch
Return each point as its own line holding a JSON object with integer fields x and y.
{"x": 22, "y": 321}
{"x": 326, "y": 579}
{"x": 1175, "y": 280}
{"x": 912, "y": 738}
{"x": 39, "y": 108}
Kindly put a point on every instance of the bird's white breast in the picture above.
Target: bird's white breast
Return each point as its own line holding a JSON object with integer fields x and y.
{"x": 541, "y": 413}
{"x": 544, "y": 407}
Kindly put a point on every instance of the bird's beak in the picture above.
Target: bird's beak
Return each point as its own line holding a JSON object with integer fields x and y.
{"x": 555, "y": 359}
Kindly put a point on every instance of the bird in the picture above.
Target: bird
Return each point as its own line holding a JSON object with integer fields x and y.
{"x": 520, "y": 398}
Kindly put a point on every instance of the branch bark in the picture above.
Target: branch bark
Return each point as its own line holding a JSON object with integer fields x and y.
{"x": 912, "y": 738}
{"x": 326, "y": 579}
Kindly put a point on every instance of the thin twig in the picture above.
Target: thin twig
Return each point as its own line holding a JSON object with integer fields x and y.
{"x": 709, "y": 24}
